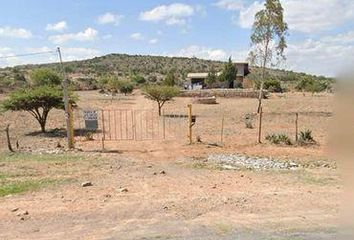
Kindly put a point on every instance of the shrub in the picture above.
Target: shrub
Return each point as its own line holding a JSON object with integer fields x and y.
{"x": 306, "y": 138}
{"x": 160, "y": 94}
{"x": 272, "y": 85}
{"x": 40, "y": 77}
{"x": 279, "y": 139}
{"x": 138, "y": 79}
{"x": 37, "y": 101}
{"x": 311, "y": 85}
{"x": 125, "y": 87}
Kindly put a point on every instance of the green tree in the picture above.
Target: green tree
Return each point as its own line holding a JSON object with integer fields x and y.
{"x": 160, "y": 94}
{"x": 309, "y": 84}
{"x": 125, "y": 87}
{"x": 170, "y": 79}
{"x": 212, "y": 78}
{"x": 138, "y": 79}
{"x": 229, "y": 73}
{"x": 38, "y": 101}
{"x": 268, "y": 38}
{"x": 43, "y": 76}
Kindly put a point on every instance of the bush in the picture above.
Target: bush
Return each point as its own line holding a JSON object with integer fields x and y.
{"x": 306, "y": 138}
{"x": 125, "y": 87}
{"x": 311, "y": 85}
{"x": 138, "y": 79}
{"x": 271, "y": 85}
{"x": 279, "y": 139}
{"x": 40, "y": 77}
{"x": 160, "y": 94}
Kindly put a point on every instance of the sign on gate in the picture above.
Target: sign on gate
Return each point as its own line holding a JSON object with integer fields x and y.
{"x": 91, "y": 119}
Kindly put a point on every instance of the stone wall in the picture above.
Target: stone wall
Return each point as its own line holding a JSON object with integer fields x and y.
{"x": 227, "y": 93}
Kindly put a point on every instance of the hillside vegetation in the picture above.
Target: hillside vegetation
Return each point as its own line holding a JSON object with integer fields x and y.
{"x": 85, "y": 74}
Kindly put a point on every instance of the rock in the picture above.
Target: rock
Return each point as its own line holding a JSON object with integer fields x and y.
{"x": 123, "y": 190}
{"x": 228, "y": 167}
{"x": 87, "y": 184}
{"x": 22, "y": 213}
{"x": 14, "y": 209}
{"x": 163, "y": 172}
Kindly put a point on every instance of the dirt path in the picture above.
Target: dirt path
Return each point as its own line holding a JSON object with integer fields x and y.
{"x": 184, "y": 202}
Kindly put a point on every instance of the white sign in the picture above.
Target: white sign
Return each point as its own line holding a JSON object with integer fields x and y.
{"x": 90, "y": 115}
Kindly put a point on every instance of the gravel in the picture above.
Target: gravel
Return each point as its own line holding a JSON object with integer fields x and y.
{"x": 233, "y": 161}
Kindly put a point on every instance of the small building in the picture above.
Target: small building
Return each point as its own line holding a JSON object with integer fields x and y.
{"x": 198, "y": 80}
{"x": 242, "y": 72}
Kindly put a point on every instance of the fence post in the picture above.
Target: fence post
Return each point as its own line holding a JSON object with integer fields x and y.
{"x": 260, "y": 125}
{"x": 296, "y": 127}
{"x": 103, "y": 131}
{"x": 71, "y": 121}
{"x": 222, "y": 128}
{"x": 190, "y": 125}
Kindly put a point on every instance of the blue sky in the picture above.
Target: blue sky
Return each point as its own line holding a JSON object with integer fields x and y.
{"x": 321, "y": 34}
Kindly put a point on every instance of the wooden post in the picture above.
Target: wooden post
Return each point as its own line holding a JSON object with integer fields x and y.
{"x": 71, "y": 128}
{"x": 67, "y": 104}
{"x": 296, "y": 127}
{"x": 103, "y": 131}
{"x": 190, "y": 124}
{"x": 222, "y": 128}
{"x": 7, "y": 130}
{"x": 260, "y": 126}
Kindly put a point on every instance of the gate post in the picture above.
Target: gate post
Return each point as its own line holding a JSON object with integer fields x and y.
{"x": 103, "y": 130}
{"x": 260, "y": 125}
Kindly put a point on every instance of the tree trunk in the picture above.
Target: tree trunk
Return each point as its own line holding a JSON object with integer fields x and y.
{"x": 260, "y": 97}
{"x": 159, "y": 109}
{"x": 8, "y": 138}
{"x": 42, "y": 123}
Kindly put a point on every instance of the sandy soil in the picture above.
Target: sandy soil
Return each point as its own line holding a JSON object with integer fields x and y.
{"x": 187, "y": 202}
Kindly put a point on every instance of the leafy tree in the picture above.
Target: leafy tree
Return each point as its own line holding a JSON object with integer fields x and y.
{"x": 268, "y": 37}
{"x": 310, "y": 85}
{"x": 138, "y": 79}
{"x": 212, "y": 78}
{"x": 170, "y": 79}
{"x": 160, "y": 94}
{"x": 272, "y": 85}
{"x": 103, "y": 81}
{"x": 229, "y": 73}
{"x": 45, "y": 76}
{"x": 37, "y": 101}
{"x": 125, "y": 87}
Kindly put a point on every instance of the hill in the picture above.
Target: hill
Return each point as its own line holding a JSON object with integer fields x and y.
{"x": 85, "y": 73}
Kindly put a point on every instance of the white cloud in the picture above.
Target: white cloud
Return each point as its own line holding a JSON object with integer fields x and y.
{"x": 301, "y": 15}
{"x": 317, "y": 15}
{"x": 15, "y": 32}
{"x": 68, "y": 53}
{"x": 57, "y": 27}
{"x": 110, "y": 18}
{"x": 327, "y": 56}
{"x": 232, "y": 5}
{"x": 153, "y": 41}
{"x": 137, "y": 36}
{"x": 71, "y": 54}
{"x": 174, "y": 14}
{"x": 211, "y": 53}
{"x": 89, "y": 34}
